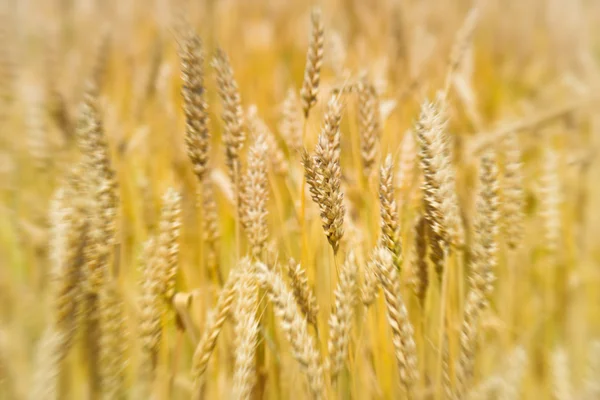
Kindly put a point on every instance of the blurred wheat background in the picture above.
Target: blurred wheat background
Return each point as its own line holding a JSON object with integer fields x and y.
{"x": 286, "y": 199}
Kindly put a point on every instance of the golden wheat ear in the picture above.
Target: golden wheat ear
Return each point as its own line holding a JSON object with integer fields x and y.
{"x": 246, "y": 332}
{"x": 369, "y": 123}
{"x": 390, "y": 225}
{"x": 254, "y": 197}
{"x": 214, "y": 323}
{"x": 294, "y": 326}
{"x": 397, "y": 314}
{"x": 234, "y": 135}
{"x": 314, "y": 60}
{"x": 193, "y": 91}
{"x": 305, "y": 297}
{"x": 340, "y": 321}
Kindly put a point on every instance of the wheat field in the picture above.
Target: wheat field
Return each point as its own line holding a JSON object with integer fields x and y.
{"x": 272, "y": 199}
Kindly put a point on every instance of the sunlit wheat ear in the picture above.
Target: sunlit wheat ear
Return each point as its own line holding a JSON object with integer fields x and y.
{"x": 513, "y": 194}
{"x": 303, "y": 293}
{"x": 561, "y": 375}
{"x": 323, "y": 175}
{"x": 48, "y": 359}
{"x": 246, "y": 333}
{"x": 340, "y": 321}
{"x": 484, "y": 249}
{"x": 550, "y": 200}
{"x": 150, "y": 329}
{"x": 331, "y": 124}
{"x": 102, "y": 185}
{"x": 390, "y": 225}
{"x": 167, "y": 252}
{"x": 397, "y": 315}
{"x": 446, "y": 371}
{"x": 294, "y": 327}
{"x": 468, "y": 341}
{"x": 370, "y": 285}
{"x": 197, "y": 134}
{"x": 276, "y": 157}
{"x": 420, "y": 278}
{"x": 254, "y": 196}
{"x": 210, "y": 221}
{"x": 234, "y": 135}
{"x": 214, "y": 322}
{"x": 67, "y": 214}
{"x": 290, "y": 126}
{"x": 439, "y": 187}
{"x": 314, "y": 60}
{"x": 112, "y": 342}
{"x": 369, "y": 122}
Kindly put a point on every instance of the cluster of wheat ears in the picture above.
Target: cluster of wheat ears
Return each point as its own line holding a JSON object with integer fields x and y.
{"x": 353, "y": 243}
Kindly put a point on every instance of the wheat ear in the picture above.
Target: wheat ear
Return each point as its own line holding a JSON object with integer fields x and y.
{"x": 294, "y": 327}
{"x": 167, "y": 252}
{"x": 314, "y": 60}
{"x": 303, "y": 293}
{"x": 290, "y": 126}
{"x": 246, "y": 332}
{"x": 254, "y": 196}
{"x": 513, "y": 195}
{"x": 390, "y": 225}
{"x": 369, "y": 123}
{"x": 214, "y": 322}
{"x": 193, "y": 91}
{"x": 402, "y": 330}
{"x": 439, "y": 187}
{"x": 112, "y": 342}
{"x": 234, "y": 135}
{"x": 340, "y": 321}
